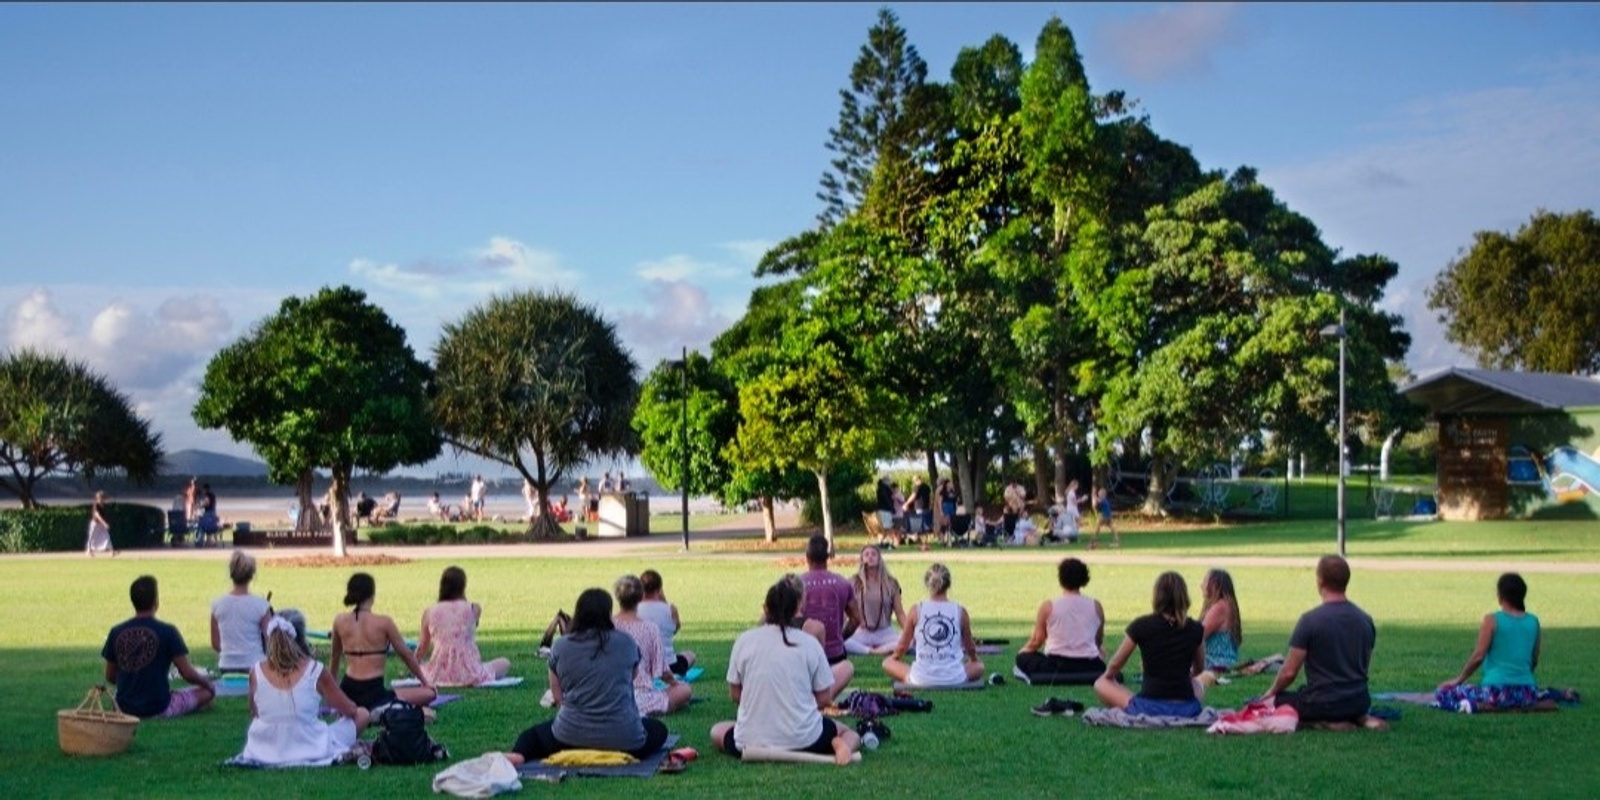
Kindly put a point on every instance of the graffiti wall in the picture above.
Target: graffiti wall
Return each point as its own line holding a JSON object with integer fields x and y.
{"x": 1553, "y": 465}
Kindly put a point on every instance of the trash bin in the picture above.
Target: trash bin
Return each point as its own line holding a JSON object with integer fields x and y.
{"x": 639, "y": 523}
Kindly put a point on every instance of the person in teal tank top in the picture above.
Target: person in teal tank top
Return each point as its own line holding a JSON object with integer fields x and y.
{"x": 1508, "y": 651}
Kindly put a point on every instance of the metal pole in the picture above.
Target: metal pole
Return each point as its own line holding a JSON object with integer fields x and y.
{"x": 685, "y": 481}
{"x": 1344, "y": 334}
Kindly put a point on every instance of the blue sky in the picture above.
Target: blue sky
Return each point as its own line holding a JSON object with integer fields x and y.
{"x": 168, "y": 173}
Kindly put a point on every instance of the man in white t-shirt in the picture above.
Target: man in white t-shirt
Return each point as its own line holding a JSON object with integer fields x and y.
{"x": 475, "y": 498}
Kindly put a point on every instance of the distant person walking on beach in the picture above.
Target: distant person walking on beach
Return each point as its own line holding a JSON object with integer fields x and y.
{"x": 190, "y": 495}
{"x": 530, "y": 495}
{"x": 475, "y": 498}
{"x": 99, "y": 528}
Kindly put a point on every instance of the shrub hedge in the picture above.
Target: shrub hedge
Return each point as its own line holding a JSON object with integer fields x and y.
{"x": 425, "y": 533}
{"x": 57, "y": 529}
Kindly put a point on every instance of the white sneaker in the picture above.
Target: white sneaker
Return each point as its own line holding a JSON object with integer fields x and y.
{"x": 1021, "y": 676}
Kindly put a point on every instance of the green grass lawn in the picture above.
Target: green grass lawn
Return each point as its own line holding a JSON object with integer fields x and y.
{"x": 978, "y": 744}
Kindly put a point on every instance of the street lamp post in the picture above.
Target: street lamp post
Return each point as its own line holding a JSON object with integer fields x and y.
{"x": 684, "y": 483}
{"x": 1343, "y": 334}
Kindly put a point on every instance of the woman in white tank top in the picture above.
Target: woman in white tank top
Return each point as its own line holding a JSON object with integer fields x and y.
{"x": 942, "y": 632}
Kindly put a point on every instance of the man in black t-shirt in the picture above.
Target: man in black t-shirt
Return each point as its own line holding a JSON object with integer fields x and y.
{"x": 1334, "y": 643}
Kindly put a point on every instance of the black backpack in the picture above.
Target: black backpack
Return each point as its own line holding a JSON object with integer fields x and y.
{"x": 403, "y": 739}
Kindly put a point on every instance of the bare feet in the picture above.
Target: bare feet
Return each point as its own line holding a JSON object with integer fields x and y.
{"x": 841, "y": 751}
{"x": 1372, "y": 723}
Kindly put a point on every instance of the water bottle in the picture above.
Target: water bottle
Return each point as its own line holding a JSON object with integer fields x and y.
{"x": 870, "y": 741}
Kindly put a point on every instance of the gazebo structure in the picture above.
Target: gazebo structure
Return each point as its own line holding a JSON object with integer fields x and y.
{"x": 1514, "y": 444}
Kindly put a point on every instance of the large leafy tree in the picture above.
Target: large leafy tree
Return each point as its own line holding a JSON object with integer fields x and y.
{"x": 328, "y": 382}
{"x": 59, "y": 417}
{"x": 809, "y": 409}
{"x": 1526, "y": 300}
{"x": 539, "y": 382}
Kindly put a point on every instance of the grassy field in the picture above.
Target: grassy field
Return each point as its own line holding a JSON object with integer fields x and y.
{"x": 986, "y": 743}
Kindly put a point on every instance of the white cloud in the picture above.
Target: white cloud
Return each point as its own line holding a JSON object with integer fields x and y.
{"x": 1173, "y": 39}
{"x": 677, "y": 314}
{"x": 1447, "y": 166}
{"x": 682, "y": 267}
{"x": 501, "y": 265}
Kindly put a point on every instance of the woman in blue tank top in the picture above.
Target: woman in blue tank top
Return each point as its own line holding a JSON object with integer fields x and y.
{"x": 1508, "y": 651}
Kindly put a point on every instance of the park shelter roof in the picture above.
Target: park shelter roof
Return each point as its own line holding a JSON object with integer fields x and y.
{"x": 1458, "y": 390}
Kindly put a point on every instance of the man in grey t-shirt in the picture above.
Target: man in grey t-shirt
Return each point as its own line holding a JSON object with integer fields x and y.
{"x": 1334, "y": 643}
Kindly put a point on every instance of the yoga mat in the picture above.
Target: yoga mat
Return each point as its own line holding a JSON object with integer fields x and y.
{"x": 687, "y": 677}
{"x": 911, "y": 687}
{"x": 791, "y": 756}
{"x": 232, "y": 685}
{"x": 498, "y": 683}
{"x": 646, "y": 768}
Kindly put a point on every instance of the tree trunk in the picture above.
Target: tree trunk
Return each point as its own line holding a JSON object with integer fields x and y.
{"x": 1383, "y": 456}
{"x": 769, "y": 519}
{"x": 339, "y": 504}
{"x": 827, "y": 513}
{"x": 1061, "y": 471}
{"x": 1155, "y": 499}
{"x": 1041, "y": 473}
{"x": 309, "y": 518}
{"x": 544, "y": 526}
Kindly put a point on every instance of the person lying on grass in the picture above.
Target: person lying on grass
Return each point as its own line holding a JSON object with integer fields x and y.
{"x": 629, "y": 590}
{"x": 1508, "y": 651}
{"x": 1071, "y": 629}
{"x": 591, "y": 681}
{"x": 1334, "y": 642}
{"x": 1169, "y": 644}
{"x": 287, "y": 689}
{"x": 780, "y": 680}
{"x": 942, "y": 632}
{"x": 365, "y": 639}
{"x": 139, "y": 652}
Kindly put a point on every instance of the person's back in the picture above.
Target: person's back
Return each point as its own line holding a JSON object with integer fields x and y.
{"x": 238, "y": 619}
{"x": 827, "y": 597}
{"x": 143, "y": 649}
{"x": 659, "y": 613}
{"x": 595, "y": 669}
{"x": 1072, "y": 628}
{"x": 1509, "y": 661}
{"x": 940, "y": 657}
{"x": 778, "y": 685}
{"x": 1338, "y": 638}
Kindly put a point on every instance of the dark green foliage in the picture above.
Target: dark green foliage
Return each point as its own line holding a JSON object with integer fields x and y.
{"x": 425, "y": 533}
{"x": 1526, "y": 300}
{"x": 64, "y": 529}
{"x": 59, "y": 417}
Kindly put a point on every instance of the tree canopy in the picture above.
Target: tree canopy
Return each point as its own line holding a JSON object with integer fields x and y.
{"x": 59, "y": 417}
{"x": 1526, "y": 300}
{"x": 327, "y": 382}
{"x": 538, "y": 382}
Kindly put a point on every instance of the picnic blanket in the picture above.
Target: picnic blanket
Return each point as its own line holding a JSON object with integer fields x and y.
{"x": 645, "y": 768}
{"x": 1257, "y": 718}
{"x": 1118, "y": 718}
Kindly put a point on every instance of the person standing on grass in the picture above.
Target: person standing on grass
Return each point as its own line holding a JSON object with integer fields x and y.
{"x": 1070, "y": 629}
{"x": 99, "y": 528}
{"x": 829, "y": 599}
{"x": 239, "y": 619}
{"x": 780, "y": 680}
{"x": 885, "y": 510}
{"x": 140, "y": 652}
{"x": 1170, "y": 646}
{"x": 475, "y": 497}
{"x": 1334, "y": 643}
{"x": 1102, "y": 508}
{"x": 942, "y": 633}
{"x": 656, "y": 608}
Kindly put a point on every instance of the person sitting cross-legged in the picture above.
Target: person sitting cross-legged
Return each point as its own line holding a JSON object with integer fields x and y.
{"x": 1333, "y": 643}
{"x": 140, "y": 651}
{"x": 1169, "y": 643}
{"x": 942, "y": 632}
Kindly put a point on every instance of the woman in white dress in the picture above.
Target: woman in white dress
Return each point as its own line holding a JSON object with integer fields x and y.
{"x": 99, "y": 528}
{"x": 942, "y": 631}
{"x": 286, "y": 691}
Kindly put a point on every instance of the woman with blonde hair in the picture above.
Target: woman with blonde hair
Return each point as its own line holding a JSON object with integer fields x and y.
{"x": 879, "y": 594}
{"x": 239, "y": 619}
{"x": 1170, "y": 645}
{"x": 942, "y": 632}
{"x": 629, "y": 590}
{"x": 449, "y": 639}
{"x": 287, "y": 688}
{"x": 1219, "y": 621}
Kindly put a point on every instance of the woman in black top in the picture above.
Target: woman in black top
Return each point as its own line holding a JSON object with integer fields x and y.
{"x": 1170, "y": 643}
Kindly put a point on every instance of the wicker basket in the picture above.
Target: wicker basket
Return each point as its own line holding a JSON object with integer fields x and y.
{"x": 92, "y": 730}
